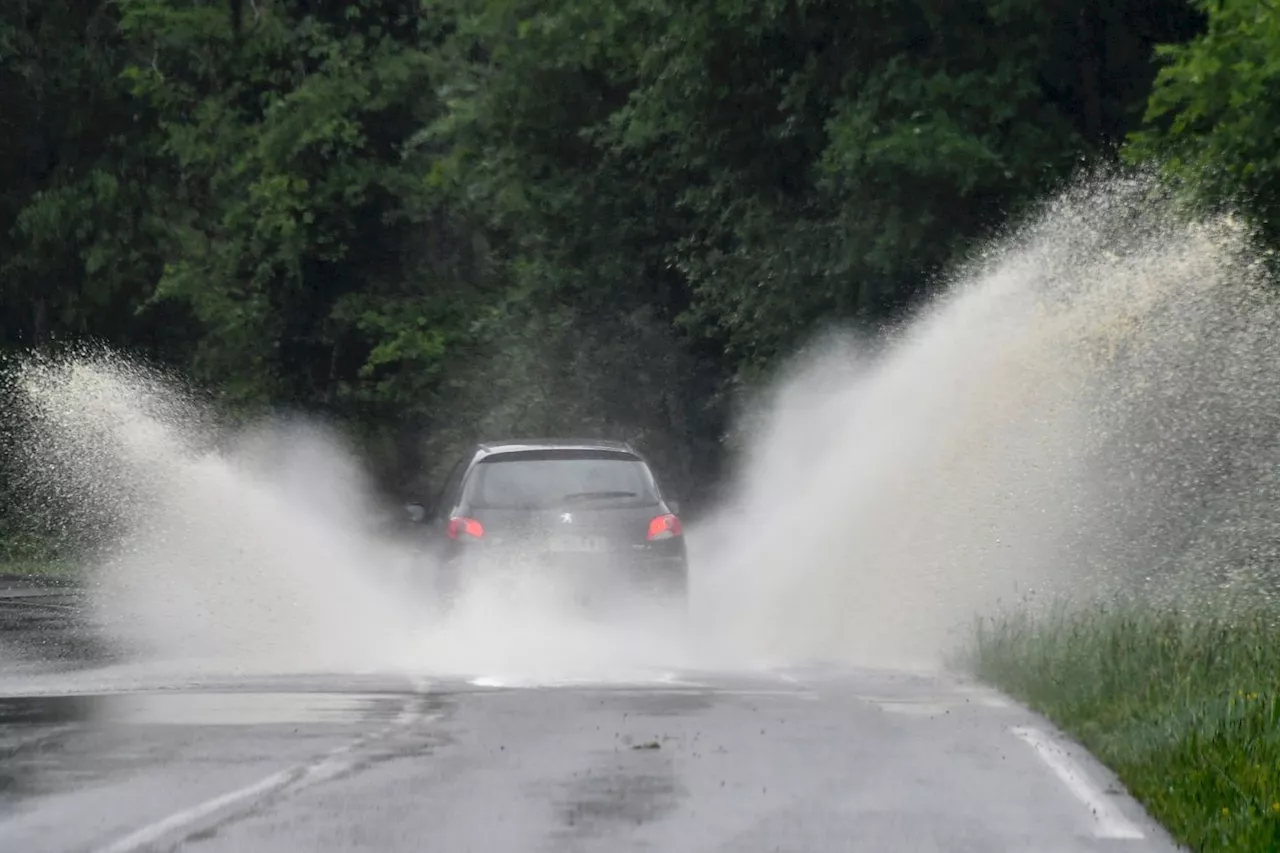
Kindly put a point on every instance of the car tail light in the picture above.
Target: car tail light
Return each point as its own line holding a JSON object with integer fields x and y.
{"x": 459, "y": 526}
{"x": 665, "y": 527}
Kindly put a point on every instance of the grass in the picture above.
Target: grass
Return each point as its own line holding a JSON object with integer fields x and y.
{"x": 43, "y": 570}
{"x": 28, "y": 554}
{"x": 1183, "y": 706}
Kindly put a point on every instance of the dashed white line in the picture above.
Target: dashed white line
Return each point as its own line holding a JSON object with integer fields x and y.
{"x": 325, "y": 767}
{"x": 152, "y": 833}
{"x": 1110, "y": 823}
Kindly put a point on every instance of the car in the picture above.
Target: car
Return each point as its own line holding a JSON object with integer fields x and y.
{"x": 586, "y": 513}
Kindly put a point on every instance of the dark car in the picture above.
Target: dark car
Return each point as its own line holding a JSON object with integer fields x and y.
{"x": 587, "y": 513}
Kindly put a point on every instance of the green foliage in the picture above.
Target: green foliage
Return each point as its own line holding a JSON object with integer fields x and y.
{"x": 79, "y": 208}
{"x": 1184, "y": 707}
{"x": 478, "y": 216}
{"x": 1214, "y": 113}
{"x": 751, "y": 168}
{"x": 311, "y": 248}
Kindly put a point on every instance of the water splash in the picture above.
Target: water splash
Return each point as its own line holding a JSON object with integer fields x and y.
{"x": 248, "y": 550}
{"x": 1086, "y": 412}
{"x": 1090, "y": 396}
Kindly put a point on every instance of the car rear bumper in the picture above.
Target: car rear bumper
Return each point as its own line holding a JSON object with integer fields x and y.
{"x": 656, "y": 572}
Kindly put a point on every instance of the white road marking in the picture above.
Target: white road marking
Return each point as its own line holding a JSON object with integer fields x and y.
{"x": 149, "y": 835}
{"x": 1110, "y": 822}
{"x": 327, "y": 766}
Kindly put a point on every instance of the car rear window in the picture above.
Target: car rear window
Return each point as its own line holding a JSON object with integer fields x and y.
{"x": 547, "y": 480}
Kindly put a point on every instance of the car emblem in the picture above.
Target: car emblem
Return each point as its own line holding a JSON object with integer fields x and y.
{"x": 566, "y": 517}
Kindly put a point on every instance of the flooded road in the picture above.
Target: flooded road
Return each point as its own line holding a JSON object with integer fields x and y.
{"x": 98, "y": 756}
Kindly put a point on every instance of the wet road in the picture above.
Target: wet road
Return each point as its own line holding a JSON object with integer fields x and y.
{"x": 804, "y": 760}
{"x": 43, "y": 628}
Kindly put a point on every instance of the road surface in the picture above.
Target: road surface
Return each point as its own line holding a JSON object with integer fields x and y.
{"x": 801, "y": 760}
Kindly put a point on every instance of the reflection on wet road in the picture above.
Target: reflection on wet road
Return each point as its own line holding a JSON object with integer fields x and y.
{"x": 858, "y": 762}
{"x": 93, "y": 758}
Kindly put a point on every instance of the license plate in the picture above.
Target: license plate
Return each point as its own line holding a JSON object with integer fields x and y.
{"x": 570, "y": 542}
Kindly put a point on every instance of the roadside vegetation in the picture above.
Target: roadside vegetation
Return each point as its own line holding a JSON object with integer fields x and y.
{"x": 1184, "y": 705}
{"x": 24, "y": 554}
{"x": 40, "y": 571}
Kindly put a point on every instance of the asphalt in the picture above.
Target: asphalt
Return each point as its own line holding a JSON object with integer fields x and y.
{"x": 44, "y": 626}
{"x": 820, "y": 759}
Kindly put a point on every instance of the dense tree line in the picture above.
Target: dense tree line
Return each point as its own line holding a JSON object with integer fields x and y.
{"x": 439, "y": 219}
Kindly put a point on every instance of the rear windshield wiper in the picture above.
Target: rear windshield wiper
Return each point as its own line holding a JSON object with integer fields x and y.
{"x": 586, "y": 496}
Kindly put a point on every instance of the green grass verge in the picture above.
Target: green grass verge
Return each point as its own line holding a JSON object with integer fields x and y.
{"x": 50, "y": 570}
{"x": 1183, "y": 707}
{"x": 24, "y": 553}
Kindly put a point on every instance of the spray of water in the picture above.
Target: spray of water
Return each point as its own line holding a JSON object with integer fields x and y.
{"x": 252, "y": 549}
{"x": 1078, "y": 417}
{"x": 1086, "y": 412}
{"x": 263, "y": 549}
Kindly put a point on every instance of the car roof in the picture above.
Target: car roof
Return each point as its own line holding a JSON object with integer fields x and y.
{"x": 486, "y": 448}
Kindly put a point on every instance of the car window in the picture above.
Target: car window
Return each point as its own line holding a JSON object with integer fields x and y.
{"x": 522, "y": 482}
{"x": 449, "y": 491}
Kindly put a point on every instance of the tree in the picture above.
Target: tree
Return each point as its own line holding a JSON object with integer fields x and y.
{"x": 1214, "y": 112}
{"x": 481, "y": 216}
{"x": 79, "y": 210}
{"x": 751, "y": 168}
{"x": 309, "y": 243}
